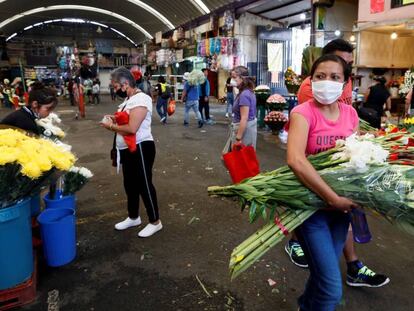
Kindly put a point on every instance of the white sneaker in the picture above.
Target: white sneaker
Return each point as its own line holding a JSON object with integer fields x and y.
{"x": 149, "y": 230}
{"x": 227, "y": 115}
{"x": 163, "y": 119}
{"x": 127, "y": 223}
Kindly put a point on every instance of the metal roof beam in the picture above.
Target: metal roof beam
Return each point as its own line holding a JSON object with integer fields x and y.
{"x": 289, "y": 15}
{"x": 279, "y": 7}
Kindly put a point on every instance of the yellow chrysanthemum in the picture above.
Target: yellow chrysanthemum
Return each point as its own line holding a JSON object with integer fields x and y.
{"x": 31, "y": 170}
{"x": 8, "y": 155}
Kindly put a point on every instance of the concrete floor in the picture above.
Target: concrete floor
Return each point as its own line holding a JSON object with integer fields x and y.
{"x": 118, "y": 271}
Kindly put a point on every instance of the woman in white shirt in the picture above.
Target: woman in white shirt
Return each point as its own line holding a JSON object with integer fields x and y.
{"x": 137, "y": 165}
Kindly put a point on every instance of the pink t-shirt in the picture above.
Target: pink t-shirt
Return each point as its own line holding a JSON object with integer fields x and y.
{"x": 323, "y": 133}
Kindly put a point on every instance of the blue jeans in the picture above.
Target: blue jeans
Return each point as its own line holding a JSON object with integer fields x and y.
{"x": 322, "y": 238}
{"x": 230, "y": 101}
{"x": 162, "y": 107}
{"x": 191, "y": 104}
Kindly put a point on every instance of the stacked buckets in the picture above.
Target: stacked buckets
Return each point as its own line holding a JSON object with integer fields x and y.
{"x": 58, "y": 229}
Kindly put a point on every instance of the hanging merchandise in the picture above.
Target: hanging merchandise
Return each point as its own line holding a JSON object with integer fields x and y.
{"x": 230, "y": 46}
{"x": 228, "y": 20}
{"x": 212, "y": 43}
{"x": 218, "y": 46}
{"x": 236, "y": 46}
{"x": 213, "y": 22}
{"x": 199, "y": 48}
{"x": 214, "y": 64}
{"x": 207, "y": 42}
{"x": 224, "y": 43}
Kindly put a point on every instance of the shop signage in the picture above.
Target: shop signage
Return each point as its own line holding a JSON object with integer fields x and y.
{"x": 377, "y": 6}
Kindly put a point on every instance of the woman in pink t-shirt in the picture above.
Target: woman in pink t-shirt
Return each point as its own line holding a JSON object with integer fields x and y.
{"x": 314, "y": 127}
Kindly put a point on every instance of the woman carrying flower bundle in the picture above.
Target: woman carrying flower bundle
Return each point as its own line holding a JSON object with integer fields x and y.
{"x": 244, "y": 124}
{"x": 314, "y": 127}
{"x": 137, "y": 165}
{"x": 42, "y": 100}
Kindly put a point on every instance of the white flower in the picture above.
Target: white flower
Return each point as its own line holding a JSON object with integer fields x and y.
{"x": 54, "y": 118}
{"x": 74, "y": 169}
{"x": 85, "y": 172}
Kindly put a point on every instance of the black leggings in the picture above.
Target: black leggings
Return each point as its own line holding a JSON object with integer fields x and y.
{"x": 137, "y": 170}
{"x": 202, "y": 104}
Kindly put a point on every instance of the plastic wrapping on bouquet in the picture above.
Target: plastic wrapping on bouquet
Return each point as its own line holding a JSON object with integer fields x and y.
{"x": 360, "y": 227}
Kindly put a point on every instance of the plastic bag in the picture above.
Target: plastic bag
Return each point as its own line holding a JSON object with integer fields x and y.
{"x": 242, "y": 163}
{"x": 171, "y": 107}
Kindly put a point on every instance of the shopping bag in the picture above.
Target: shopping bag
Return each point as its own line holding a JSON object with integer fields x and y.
{"x": 242, "y": 163}
{"x": 171, "y": 107}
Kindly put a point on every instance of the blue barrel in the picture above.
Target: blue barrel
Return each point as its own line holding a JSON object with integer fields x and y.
{"x": 35, "y": 205}
{"x": 59, "y": 201}
{"x": 58, "y": 231}
{"x": 16, "y": 259}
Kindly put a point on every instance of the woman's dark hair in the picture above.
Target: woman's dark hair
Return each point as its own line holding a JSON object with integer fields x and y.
{"x": 247, "y": 81}
{"x": 337, "y": 45}
{"x": 42, "y": 95}
{"x": 331, "y": 58}
{"x": 161, "y": 79}
{"x": 380, "y": 79}
{"x": 122, "y": 75}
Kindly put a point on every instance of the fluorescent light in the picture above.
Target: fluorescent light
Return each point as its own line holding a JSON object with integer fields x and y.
{"x": 98, "y": 24}
{"x": 153, "y": 12}
{"x": 28, "y": 27}
{"x": 73, "y": 20}
{"x": 201, "y": 6}
{"x": 48, "y": 22}
{"x": 302, "y": 16}
{"x": 11, "y": 37}
{"x": 76, "y": 7}
{"x": 37, "y": 24}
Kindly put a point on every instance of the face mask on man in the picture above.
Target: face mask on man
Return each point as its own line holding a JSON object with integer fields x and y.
{"x": 121, "y": 93}
{"x": 233, "y": 82}
{"x": 327, "y": 92}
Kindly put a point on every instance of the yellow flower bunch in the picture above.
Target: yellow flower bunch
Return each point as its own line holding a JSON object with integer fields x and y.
{"x": 409, "y": 121}
{"x": 36, "y": 156}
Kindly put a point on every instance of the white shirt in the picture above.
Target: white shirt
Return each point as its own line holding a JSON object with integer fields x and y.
{"x": 144, "y": 131}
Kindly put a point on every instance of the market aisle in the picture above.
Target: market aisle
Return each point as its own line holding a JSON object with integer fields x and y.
{"x": 117, "y": 270}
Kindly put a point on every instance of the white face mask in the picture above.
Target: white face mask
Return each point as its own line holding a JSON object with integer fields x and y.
{"x": 327, "y": 92}
{"x": 233, "y": 82}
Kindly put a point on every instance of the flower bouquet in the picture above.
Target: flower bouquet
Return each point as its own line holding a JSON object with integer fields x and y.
{"x": 48, "y": 127}
{"x": 276, "y": 120}
{"x": 356, "y": 168}
{"x": 75, "y": 179}
{"x": 27, "y": 163}
{"x": 262, "y": 94}
{"x": 408, "y": 83}
{"x": 292, "y": 81}
{"x": 408, "y": 123}
{"x": 196, "y": 77}
{"x": 276, "y": 102}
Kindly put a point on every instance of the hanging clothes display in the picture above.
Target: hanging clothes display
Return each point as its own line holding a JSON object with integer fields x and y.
{"x": 223, "y": 48}
{"x": 212, "y": 42}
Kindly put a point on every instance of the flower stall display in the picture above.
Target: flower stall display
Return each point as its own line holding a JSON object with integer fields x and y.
{"x": 26, "y": 163}
{"x": 408, "y": 123}
{"x": 276, "y": 102}
{"x": 408, "y": 82}
{"x": 292, "y": 81}
{"x": 276, "y": 120}
{"x": 262, "y": 93}
{"x": 360, "y": 168}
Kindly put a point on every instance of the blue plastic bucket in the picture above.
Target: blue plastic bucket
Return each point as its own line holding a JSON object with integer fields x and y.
{"x": 60, "y": 201}
{"x": 58, "y": 231}
{"x": 35, "y": 205}
{"x": 16, "y": 259}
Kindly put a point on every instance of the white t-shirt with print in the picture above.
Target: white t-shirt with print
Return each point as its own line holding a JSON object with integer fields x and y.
{"x": 144, "y": 131}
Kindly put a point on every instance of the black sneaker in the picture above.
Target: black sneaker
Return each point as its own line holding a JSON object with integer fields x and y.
{"x": 186, "y": 124}
{"x": 200, "y": 124}
{"x": 365, "y": 277}
{"x": 296, "y": 255}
